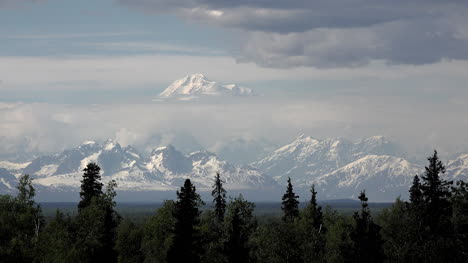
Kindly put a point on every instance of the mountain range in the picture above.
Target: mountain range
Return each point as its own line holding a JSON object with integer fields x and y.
{"x": 339, "y": 168}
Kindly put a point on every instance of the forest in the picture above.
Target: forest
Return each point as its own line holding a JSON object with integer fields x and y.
{"x": 432, "y": 226}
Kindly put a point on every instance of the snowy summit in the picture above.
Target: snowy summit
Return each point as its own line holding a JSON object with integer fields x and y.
{"x": 197, "y": 85}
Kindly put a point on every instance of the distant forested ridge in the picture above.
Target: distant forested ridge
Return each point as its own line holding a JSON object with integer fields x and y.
{"x": 431, "y": 227}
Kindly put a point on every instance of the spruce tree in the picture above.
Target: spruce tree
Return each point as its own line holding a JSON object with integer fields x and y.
{"x": 312, "y": 230}
{"x": 219, "y": 198}
{"x": 436, "y": 196}
{"x": 186, "y": 241}
{"x": 239, "y": 222}
{"x": 91, "y": 185}
{"x": 290, "y": 204}
{"x": 436, "y": 231}
{"x": 315, "y": 210}
{"x": 416, "y": 197}
{"x": 366, "y": 235}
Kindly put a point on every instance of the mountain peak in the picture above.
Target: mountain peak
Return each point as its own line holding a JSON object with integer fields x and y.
{"x": 195, "y": 85}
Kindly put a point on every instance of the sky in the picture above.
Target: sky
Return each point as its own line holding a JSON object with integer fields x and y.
{"x": 89, "y": 69}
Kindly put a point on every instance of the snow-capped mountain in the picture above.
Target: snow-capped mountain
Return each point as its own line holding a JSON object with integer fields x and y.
{"x": 173, "y": 168}
{"x": 307, "y": 158}
{"x": 242, "y": 151}
{"x": 381, "y": 176}
{"x": 8, "y": 181}
{"x": 197, "y": 85}
{"x": 457, "y": 169}
{"x": 339, "y": 168}
{"x": 165, "y": 169}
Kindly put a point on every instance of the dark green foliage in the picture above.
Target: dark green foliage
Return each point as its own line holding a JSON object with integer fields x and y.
{"x": 460, "y": 219}
{"x": 56, "y": 242}
{"x": 277, "y": 241}
{"x": 239, "y": 223}
{"x": 128, "y": 244}
{"x": 213, "y": 234}
{"x": 21, "y": 221}
{"x": 436, "y": 195}
{"x": 366, "y": 235}
{"x": 290, "y": 204}
{"x": 186, "y": 243}
{"x": 91, "y": 185}
{"x": 401, "y": 232}
{"x": 312, "y": 230}
{"x": 97, "y": 220}
{"x": 339, "y": 246}
{"x": 158, "y": 234}
{"x": 416, "y": 196}
{"x": 219, "y": 198}
{"x": 436, "y": 231}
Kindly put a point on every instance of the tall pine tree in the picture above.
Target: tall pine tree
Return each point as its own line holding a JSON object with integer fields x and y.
{"x": 240, "y": 226}
{"x": 219, "y": 198}
{"x": 436, "y": 196}
{"x": 91, "y": 185}
{"x": 312, "y": 230}
{"x": 290, "y": 204}
{"x": 186, "y": 241}
{"x": 366, "y": 235}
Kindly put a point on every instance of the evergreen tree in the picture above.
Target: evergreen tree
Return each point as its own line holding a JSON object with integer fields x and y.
{"x": 186, "y": 245}
{"x": 21, "y": 222}
{"x": 433, "y": 216}
{"x": 97, "y": 220}
{"x": 290, "y": 204}
{"x": 91, "y": 185}
{"x": 158, "y": 234}
{"x": 128, "y": 244}
{"x": 436, "y": 196}
{"x": 339, "y": 246}
{"x": 416, "y": 197}
{"x": 315, "y": 211}
{"x": 312, "y": 230}
{"x": 460, "y": 220}
{"x": 219, "y": 198}
{"x": 402, "y": 233}
{"x": 56, "y": 242}
{"x": 368, "y": 242}
{"x": 239, "y": 228}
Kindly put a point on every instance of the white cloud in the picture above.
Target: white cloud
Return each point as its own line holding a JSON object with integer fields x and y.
{"x": 415, "y": 124}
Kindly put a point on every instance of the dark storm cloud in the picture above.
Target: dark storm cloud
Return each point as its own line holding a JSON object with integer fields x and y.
{"x": 332, "y": 33}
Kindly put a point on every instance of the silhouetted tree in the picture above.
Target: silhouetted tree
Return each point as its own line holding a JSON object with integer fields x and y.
{"x": 239, "y": 228}
{"x": 460, "y": 220}
{"x": 436, "y": 195}
{"x": 219, "y": 198}
{"x": 368, "y": 242}
{"x": 91, "y": 185}
{"x": 312, "y": 230}
{"x": 186, "y": 245}
{"x": 290, "y": 204}
{"x": 97, "y": 220}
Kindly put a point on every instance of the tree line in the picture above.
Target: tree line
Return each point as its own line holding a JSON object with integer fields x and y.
{"x": 431, "y": 227}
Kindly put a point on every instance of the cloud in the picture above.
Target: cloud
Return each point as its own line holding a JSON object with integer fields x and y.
{"x": 48, "y": 128}
{"x": 15, "y": 3}
{"x": 332, "y": 33}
